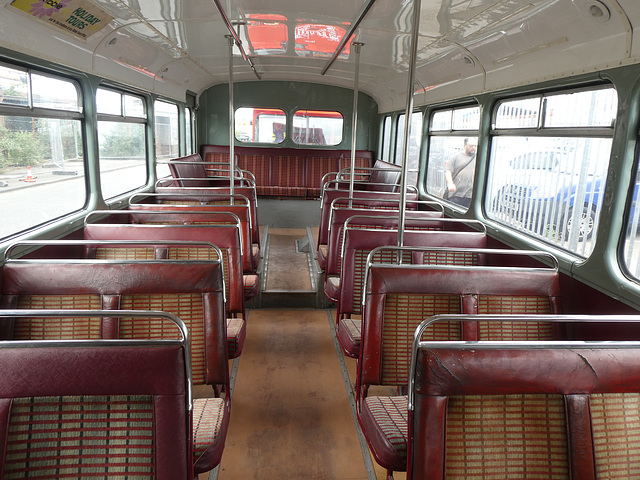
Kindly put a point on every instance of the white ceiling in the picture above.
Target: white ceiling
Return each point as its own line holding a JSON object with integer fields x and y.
{"x": 464, "y": 46}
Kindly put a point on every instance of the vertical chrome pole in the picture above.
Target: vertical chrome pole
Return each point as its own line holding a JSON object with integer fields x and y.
{"x": 407, "y": 124}
{"x": 354, "y": 118}
{"x": 232, "y": 121}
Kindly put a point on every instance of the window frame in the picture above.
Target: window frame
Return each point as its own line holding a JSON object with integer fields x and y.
{"x": 126, "y": 119}
{"x": 540, "y": 130}
{"x": 449, "y": 132}
{"x": 39, "y": 112}
{"x": 293, "y": 127}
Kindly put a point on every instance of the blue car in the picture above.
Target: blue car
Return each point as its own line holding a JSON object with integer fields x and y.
{"x": 547, "y": 193}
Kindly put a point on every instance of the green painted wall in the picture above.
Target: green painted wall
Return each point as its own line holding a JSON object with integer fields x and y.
{"x": 213, "y": 113}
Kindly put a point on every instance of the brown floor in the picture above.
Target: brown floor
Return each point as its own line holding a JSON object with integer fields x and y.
{"x": 291, "y": 417}
{"x": 287, "y": 270}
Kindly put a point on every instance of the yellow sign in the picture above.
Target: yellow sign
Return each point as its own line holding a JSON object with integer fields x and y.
{"x": 79, "y": 17}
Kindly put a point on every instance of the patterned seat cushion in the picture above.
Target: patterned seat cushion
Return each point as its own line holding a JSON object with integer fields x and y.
{"x": 80, "y": 436}
{"x": 236, "y": 333}
{"x": 251, "y": 285}
{"x": 385, "y": 421}
{"x": 332, "y": 287}
{"x": 209, "y": 424}
{"x": 322, "y": 255}
{"x": 349, "y": 335}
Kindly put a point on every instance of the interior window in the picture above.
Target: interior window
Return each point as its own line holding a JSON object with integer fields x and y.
{"x": 452, "y": 152}
{"x": 41, "y": 149}
{"x": 121, "y": 142}
{"x": 317, "y": 127}
{"x": 260, "y": 125}
{"x": 550, "y": 185}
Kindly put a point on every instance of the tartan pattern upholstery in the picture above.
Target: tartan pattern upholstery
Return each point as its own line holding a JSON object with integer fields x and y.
{"x": 381, "y": 256}
{"x": 390, "y": 415}
{"x": 360, "y": 163}
{"x": 259, "y": 165}
{"x": 317, "y": 167}
{"x": 450, "y": 258}
{"x": 235, "y": 326}
{"x": 615, "y": 419}
{"x": 216, "y": 157}
{"x": 176, "y": 202}
{"x": 188, "y": 307}
{"x": 208, "y": 415}
{"x": 286, "y": 171}
{"x": 235, "y": 330}
{"x": 129, "y": 253}
{"x": 222, "y": 164}
{"x": 195, "y": 253}
{"x": 527, "y": 430}
{"x": 80, "y": 437}
{"x": 353, "y": 327}
{"x": 58, "y": 328}
{"x": 349, "y": 335}
{"x": 403, "y": 314}
{"x": 488, "y": 304}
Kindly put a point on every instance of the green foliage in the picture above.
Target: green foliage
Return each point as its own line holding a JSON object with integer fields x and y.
{"x": 19, "y": 148}
{"x": 122, "y": 142}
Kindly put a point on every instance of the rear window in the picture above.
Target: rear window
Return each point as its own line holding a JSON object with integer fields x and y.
{"x": 260, "y": 125}
{"x": 317, "y": 127}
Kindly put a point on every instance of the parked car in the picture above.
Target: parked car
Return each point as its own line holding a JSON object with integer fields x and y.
{"x": 544, "y": 190}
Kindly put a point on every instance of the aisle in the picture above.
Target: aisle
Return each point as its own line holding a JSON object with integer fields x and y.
{"x": 291, "y": 417}
{"x": 287, "y": 269}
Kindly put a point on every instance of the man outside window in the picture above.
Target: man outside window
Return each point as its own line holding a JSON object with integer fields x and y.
{"x": 459, "y": 172}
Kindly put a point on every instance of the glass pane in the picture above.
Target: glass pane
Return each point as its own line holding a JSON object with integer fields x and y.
{"x": 188, "y": 130}
{"x": 595, "y": 108}
{"x": 316, "y": 40}
{"x": 41, "y": 171}
{"x": 466, "y": 118}
{"x": 315, "y": 127}
{"x": 546, "y": 185}
{"x": 268, "y": 34}
{"x": 415, "y": 139}
{"x": 632, "y": 245}
{"x": 457, "y": 156}
{"x": 109, "y": 102}
{"x": 14, "y": 87}
{"x": 134, "y": 107}
{"x": 521, "y": 113}
{"x": 386, "y": 138}
{"x": 54, "y": 93}
{"x": 167, "y": 131}
{"x": 260, "y": 125}
{"x": 123, "y": 165}
{"x": 399, "y": 139}
{"x": 441, "y": 121}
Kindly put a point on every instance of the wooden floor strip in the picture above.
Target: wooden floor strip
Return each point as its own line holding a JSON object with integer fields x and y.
{"x": 290, "y": 415}
{"x": 287, "y": 270}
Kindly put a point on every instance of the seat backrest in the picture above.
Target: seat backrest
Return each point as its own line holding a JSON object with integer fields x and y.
{"x": 342, "y": 210}
{"x": 360, "y": 239}
{"x": 70, "y": 409}
{"x": 191, "y": 290}
{"x": 508, "y": 410}
{"x": 246, "y": 191}
{"x": 385, "y": 177}
{"x": 329, "y": 195}
{"x": 399, "y": 297}
{"x": 238, "y": 206}
{"x": 225, "y": 237}
{"x": 189, "y": 170}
